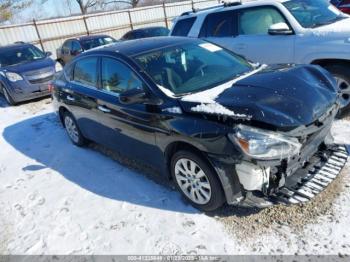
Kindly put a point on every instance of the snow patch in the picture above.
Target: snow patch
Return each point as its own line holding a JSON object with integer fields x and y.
{"x": 217, "y": 109}
{"x": 166, "y": 91}
{"x": 174, "y": 110}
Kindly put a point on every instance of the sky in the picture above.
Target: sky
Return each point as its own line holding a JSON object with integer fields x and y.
{"x": 51, "y": 8}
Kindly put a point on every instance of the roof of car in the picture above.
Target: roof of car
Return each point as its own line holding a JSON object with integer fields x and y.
{"x": 11, "y": 46}
{"x": 88, "y": 37}
{"x": 229, "y": 4}
{"x": 138, "y": 46}
{"x": 147, "y": 28}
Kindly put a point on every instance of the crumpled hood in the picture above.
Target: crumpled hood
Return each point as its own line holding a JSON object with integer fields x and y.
{"x": 282, "y": 96}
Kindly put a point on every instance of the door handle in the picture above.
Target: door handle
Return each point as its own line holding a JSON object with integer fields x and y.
{"x": 104, "y": 109}
{"x": 70, "y": 98}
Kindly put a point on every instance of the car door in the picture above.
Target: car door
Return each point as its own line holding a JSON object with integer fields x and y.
{"x": 252, "y": 40}
{"x": 131, "y": 128}
{"x": 81, "y": 95}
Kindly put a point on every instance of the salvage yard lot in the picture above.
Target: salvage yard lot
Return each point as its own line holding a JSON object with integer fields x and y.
{"x": 56, "y": 198}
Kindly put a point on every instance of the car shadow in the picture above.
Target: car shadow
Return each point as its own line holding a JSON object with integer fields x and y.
{"x": 96, "y": 169}
{"x": 43, "y": 139}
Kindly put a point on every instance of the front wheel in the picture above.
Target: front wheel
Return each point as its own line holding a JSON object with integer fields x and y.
{"x": 342, "y": 76}
{"x": 7, "y": 96}
{"x": 196, "y": 180}
{"x": 72, "y": 129}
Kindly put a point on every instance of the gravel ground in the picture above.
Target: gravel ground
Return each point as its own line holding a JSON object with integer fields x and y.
{"x": 246, "y": 223}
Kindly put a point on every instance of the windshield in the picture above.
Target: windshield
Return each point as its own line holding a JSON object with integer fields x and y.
{"x": 95, "y": 42}
{"x": 313, "y": 13}
{"x": 20, "y": 55}
{"x": 192, "y": 67}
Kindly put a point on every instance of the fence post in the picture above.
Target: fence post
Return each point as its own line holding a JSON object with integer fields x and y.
{"x": 130, "y": 21}
{"x": 86, "y": 26}
{"x": 38, "y": 34}
{"x": 165, "y": 16}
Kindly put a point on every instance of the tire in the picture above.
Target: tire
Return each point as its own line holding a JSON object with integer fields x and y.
{"x": 61, "y": 62}
{"x": 193, "y": 181}
{"x": 7, "y": 96}
{"x": 73, "y": 130}
{"x": 341, "y": 74}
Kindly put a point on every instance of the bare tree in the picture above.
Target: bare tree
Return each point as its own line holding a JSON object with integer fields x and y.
{"x": 8, "y": 8}
{"x": 132, "y": 3}
{"x": 85, "y": 5}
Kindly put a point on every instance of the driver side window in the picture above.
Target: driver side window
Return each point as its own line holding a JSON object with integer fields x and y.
{"x": 257, "y": 21}
{"x": 117, "y": 77}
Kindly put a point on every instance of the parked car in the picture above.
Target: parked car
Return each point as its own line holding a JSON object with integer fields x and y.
{"x": 146, "y": 32}
{"x": 75, "y": 46}
{"x": 342, "y": 5}
{"x": 24, "y": 72}
{"x": 224, "y": 129}
{"x": 278, "y": 31}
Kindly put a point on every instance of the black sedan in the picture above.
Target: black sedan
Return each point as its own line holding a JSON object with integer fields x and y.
{"x": 146, "y": 32}
{"x": 222, "y": 129}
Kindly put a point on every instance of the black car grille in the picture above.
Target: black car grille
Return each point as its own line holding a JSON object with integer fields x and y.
{"x": 41, "y": 80}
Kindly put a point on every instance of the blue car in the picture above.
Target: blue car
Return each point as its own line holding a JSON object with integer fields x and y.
{"x": 25, "y": 72}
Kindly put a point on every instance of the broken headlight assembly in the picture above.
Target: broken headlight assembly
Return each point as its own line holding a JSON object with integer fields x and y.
{"x": 264, "y": 145}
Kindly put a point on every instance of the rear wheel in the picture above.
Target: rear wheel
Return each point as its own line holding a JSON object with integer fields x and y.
{"x": 196, "y": 180}
{"x": 342, "y": 76}
{"x": 73, "y": 130}
{"x": 7, "y": 96}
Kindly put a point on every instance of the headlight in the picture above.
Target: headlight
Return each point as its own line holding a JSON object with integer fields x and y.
{"x": 13, "y": 77}
{"x": 264, "y": 145}
{"x": 58, "y": 67}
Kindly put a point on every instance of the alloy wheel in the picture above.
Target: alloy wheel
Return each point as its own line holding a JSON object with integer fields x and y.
{"x": 192, "y": 180}
{"x": 71, "y": 128}
{"x": 344, "y": 86}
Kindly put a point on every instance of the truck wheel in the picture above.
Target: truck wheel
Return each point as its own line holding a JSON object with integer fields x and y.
{"x": 197, "y": 181}
{"x": 72, "y": 129}
{"x": 7, "y": 96}
{"x": 341, "y": 74}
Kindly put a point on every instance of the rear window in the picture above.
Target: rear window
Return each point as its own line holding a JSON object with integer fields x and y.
{"x": 182, "y": 27}
{"x": 95, "y": 42}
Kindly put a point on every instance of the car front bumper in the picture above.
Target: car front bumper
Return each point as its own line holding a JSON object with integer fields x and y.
{"x": 306, "y": 182}
{"x": 24, "y": 91}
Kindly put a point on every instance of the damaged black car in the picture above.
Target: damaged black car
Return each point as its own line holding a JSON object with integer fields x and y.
{"x": 221, "y": 128}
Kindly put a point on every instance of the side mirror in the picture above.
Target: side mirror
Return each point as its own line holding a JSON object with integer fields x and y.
{"x": 48, "y": 53}
{"x": 280, "y": 29}
{"x": 133, "y": 96}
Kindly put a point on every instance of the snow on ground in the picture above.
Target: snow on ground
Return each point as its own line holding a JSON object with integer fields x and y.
{"x": 56, "y": 198}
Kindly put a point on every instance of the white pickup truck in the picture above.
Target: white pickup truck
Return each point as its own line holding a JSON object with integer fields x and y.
{"x": 278, "y": 31}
